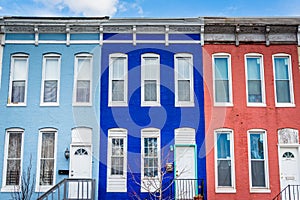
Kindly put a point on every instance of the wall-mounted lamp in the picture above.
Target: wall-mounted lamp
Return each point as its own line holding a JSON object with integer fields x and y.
{"x": 67, "y": 153}
{"x": 171, "y": 148}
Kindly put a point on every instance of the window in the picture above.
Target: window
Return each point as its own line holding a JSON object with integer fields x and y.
{"x": 50, "y": 81}
{"x": 118, "y": 79}
{"x": 224, "y": 161}
{"x": 83, "y": 79}
{"x": 184, "y": 84}
{"x": 222, "y": 79}
{"x": 117, "y": 160}
{"x": 258, "y": 162}
{"x": 283, "y": 80}
{"x": 46, "y": 163}
{"x": 150, "y": 160}
{"x": 255, "y": 80}
{"x": 12, "y": 160}
{"x": 150, "y": 80}
{"x": 18, "y": 80}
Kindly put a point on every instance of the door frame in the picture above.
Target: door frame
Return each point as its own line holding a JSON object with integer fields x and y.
{"x": 195, "y": 159}
{"x": 286, "y": 146}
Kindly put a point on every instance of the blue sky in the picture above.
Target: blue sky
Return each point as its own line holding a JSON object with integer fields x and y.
{"x": 150, "y": 8}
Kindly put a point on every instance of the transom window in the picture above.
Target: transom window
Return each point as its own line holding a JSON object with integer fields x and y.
{"x": 288, "y": 155}
{"x": 81, "y": 152}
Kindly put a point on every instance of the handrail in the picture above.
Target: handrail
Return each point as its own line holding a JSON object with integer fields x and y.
{"x": 79, "y": 189}
{"x": 290, "y": 192}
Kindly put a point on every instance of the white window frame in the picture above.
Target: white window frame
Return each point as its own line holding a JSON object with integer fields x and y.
{"x": 263, "y": 96}
{"x": 228, "y": 56}
{"x": 44, "y": 188}
{"x": 13, "y": 58}
{"x": 292, "y": 103}
{"x": 225, "y": 189}
{"x": 45, "y": 57}
{"x": 147, "y": 183}
{"x": 111, "y": 102}
{"x": 12, "y": 188}
{"x": 77, "y": 56}
{"x": 259, "y": 189}
{"x": 119, "y": 180}
{"x": 189, "y": 103}
{"x": 143, "y": 102}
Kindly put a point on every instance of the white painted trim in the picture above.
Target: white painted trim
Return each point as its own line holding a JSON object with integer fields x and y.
{"x": 176, "y": 78}
{"x": 1, "y": 60}
{"x": 262, "y": 79}
{"x": 265, "y": 189}
{"x": 150, "y": 103}
{"x": 11, "y": 188}
{"x": 39, "y": 188}
{"x": 110, "y": 101}
{"x": 13, "y": 57}
{"x": 228, "y": 56}
{"x": 290, "y": 72}
{"x": 225, "y": 189}
{"x": 42, "y": 103}
{"x": 87, "y": 56}
{"x": 118, "y": 133}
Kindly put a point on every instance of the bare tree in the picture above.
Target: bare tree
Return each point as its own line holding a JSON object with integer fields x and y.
{"x": 26, "y": 189}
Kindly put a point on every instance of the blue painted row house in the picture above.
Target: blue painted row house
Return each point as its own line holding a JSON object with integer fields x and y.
{"x": 117, "y": 101}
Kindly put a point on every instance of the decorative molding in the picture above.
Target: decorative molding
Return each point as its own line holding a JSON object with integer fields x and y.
{"x": 298, "y": 35}
{"x": 36, "y": 36}
{"x": 68, "y": 35}
{"x": 237, "y": 30}
{"x": 101, "y": 35}
{"x": 202, "y": 35}
{"x": 167, "y": 35}
{"x": 288, "y": 136}
{"x": 134, "y": 35}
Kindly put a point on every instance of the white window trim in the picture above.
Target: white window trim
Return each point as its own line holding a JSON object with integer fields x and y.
{"x": 9, "y": 103}
{"x": 225, "y": 189}
{"x": 110, "y": 101}
{"x": 191, "y": 70}
{"x": 40, "y": 188}
{"x": 260, "y": 56}
{"x": 116, "y": 133}
{"x": 150, "y": 133}
{"x": 90, "y": 56}
{"x": 50, "y": 55}
{"x": 223, "y": 55}
{"x": 259, "y": 189}
{"x": 292, "y": 103}
{"x": 143, "y": 102}
{"x": 11, "y": 188}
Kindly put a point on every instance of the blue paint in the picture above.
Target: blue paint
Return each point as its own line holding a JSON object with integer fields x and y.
{"x": 167, "y": 117}
{"x": 52, "y": 36}
{"x": 184, "y": 37}
{"x": 150, "y": 36}
{"x": 116, "y": 36}
{"x": 19, "y": 36}
{"x": 84, "y": 36}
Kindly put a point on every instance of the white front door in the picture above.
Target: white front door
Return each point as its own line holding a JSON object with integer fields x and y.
{"x": 289, "y": 167}
{"x": 80, "y": 167}
{"x": 186, "y": 184}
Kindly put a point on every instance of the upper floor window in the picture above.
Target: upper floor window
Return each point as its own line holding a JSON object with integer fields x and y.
{"x": 50, "y": 80}
{"x": 283, "y": 80}
{"x": 255, "y": 80}
{"x": 224, "y": 161}
{"x": 184, "y": 83}
{"x": 47, "y": 159}
{"x": 12, "y": 168}
{"x": 258, "y": 161}
{"x": 18, "y": 79}
{"x": 222, "y": 79}
{"x": 83, "y": 80}
{"x": 118, "y": 79}
{"x": 150, "y": 85}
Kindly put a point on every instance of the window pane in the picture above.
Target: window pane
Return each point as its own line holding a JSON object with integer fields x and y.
{"x": 117, "y": 164}
{"x": 46, "y": 171}
{"x": 48, "y": 142}
{"x": 222, "y": 90}
{"x": 19, "y": 72}
{"x": 150, "y": 90}
{"x": 254, "y": 91}
{"x": 184, "y": 90}
{"x": 83, "y": 69}
{"x": 258, "y": 173}
{"x": 281, "y": 68}
{"x": 184, "y": 68}
{"x": 50, "y": 91}
{"x": 15, "y": 144}
{"x": 13, "y": 172}
{"x": 51, "y": 69}
{"x": 257, "y": 146}
{"x": 83, "y": 91}
{"x": 18, "y": 91}
{"x": 150, "y": 157}
{"x": 224, "y": 173}
{"x": 118, "y": 68}
{"x": 253, "y": 68}
{"x": 221, "y": 68}
{"x": 118, "y": 90}
{"x": 223, "y": 145}
{"x": 283, "y": 91}
{"x": 151, "y": 68}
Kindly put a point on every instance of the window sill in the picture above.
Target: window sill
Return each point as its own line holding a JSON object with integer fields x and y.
{"x": 43, "y": 188}
{"x": 117, "y": 104}
{"x": 81, "y": 104}
{"x": 223, "y": 104}
{"x": 14, "y": 188}
{"x": 150, "y": 104}
{"x": 225, "y": 190}
{"x": 184, "y": 104}
{"x": 16, "y": 105}
{"x": 260, "y": 190}
{"x": 49, "y": 104}
{"x": 256, "y": 104}
{"x": 283, "y": 105}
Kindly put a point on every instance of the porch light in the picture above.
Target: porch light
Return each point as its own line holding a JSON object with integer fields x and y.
{"x": 67, "y": 153}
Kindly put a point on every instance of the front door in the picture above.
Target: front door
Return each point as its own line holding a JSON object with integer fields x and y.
{"x": 186, "y": 184}
{"x": 289, "y": 167}
{"x": 80, "y": 168}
